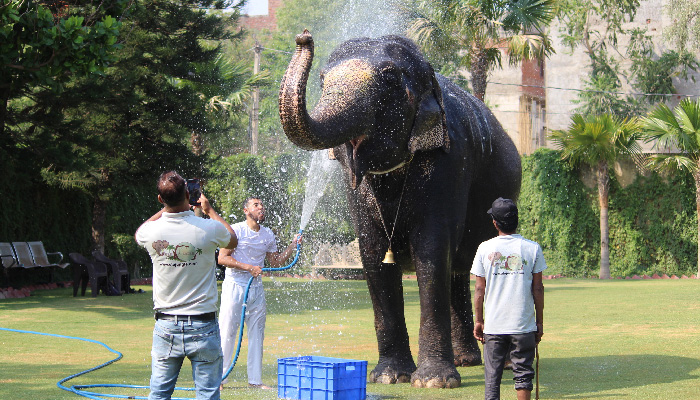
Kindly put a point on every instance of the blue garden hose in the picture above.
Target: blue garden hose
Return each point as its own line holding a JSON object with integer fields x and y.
{"x": 78, "y": 389}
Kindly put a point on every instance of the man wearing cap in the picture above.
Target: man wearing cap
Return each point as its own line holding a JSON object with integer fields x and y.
{"x": 182, "y": 248}
{"x": 508, "y": 271}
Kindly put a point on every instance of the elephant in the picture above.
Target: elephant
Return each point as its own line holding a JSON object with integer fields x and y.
{"x": 423, "y": 160}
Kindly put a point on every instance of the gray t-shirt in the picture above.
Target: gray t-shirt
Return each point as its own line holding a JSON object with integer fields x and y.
{"x": 508, "y": 263}
{"x": 252, "y": 249}
{"x": 182, "y": 248}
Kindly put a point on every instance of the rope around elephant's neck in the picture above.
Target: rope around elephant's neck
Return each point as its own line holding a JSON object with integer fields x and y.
{"x": 398, "y": 208}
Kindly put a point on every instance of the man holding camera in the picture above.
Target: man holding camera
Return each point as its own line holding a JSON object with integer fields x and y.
{"x": 182, "y": 248}
{"x": 508, "y": 271}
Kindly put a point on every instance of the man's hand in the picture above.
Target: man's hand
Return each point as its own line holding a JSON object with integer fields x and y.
{"x": 540, "y": 332}
{"x": 204, "y": 203}
{"x": 254, "y": 270}
{"x": 297, "y": 239}
{"x": 479, "y": 331}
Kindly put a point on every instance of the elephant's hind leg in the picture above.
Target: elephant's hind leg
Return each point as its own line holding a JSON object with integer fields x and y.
{"x": 464, "y": 345}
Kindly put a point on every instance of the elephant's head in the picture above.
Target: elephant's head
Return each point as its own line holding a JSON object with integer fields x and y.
{"x": 380, "y": 104}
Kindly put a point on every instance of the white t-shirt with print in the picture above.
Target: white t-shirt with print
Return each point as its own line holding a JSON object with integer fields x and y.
{"x": 508, "y": 263}
{"x": 182, "y": 247}
{"x": 252, "y": 249}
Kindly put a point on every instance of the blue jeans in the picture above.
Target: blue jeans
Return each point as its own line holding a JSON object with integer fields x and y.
{"x": 172, "y": 342}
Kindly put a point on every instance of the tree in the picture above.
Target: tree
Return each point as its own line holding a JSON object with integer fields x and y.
{"x": 138, "y": 117}
{"x": 598, "y": 141}
{"x": 46, "y": 46}
{"x": 678, "y": 132}
{"x": 685, "y": 29}
{"x": 597, "y": 25}
{"x": 655, "y": 75}
{"x": 471, "y": 33}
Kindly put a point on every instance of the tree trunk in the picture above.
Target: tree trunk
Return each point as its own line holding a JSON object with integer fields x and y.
{"x": 4, "y": 99}
{"x": 99, "y": 211}
{"x": 479, "y": 73}
{"x": 197, "y": 143}
{"x": 697, "y": 211}
{"x": 603, "y": 193}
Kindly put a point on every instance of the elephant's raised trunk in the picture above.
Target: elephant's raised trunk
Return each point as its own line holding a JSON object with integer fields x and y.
{"x": 324, "y": 128}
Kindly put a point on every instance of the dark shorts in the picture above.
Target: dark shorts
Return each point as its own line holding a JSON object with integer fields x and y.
{"x": 522, "y": 354}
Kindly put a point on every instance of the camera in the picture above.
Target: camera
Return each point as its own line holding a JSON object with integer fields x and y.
{"x": 195, "y": 191}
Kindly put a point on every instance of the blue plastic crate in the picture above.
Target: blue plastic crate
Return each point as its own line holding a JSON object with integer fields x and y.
{"x": 321, "y": 378}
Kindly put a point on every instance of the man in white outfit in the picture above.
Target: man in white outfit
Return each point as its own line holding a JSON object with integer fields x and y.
{"x": 256, "y": 243}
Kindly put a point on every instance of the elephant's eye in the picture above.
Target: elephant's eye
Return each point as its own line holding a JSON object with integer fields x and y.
{"x": 390, "y": 74}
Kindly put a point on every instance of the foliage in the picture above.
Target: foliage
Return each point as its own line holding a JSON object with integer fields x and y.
{"x": 592, "y": 139}
{"x": 675, "y": 129}
{"x": 602, "y": 91}
{"x": 139, "y": 115}
{"x": 598, "y": 27}
{"x": 685, "y": 28}
{"x": 558, "y": 211}
{"x": 651, "y": 75}
{"x": 470, "y": 34}
{"x": 45, "y": 47}
{"x": 653, "y": 227}
{"x": 652, "y": 221}
{"x": 577, "y": 17}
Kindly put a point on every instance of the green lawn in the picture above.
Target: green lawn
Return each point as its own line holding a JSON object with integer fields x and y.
{"x": 603, "y": 340}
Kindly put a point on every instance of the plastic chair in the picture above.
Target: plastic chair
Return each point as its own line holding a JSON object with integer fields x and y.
{"x": 96, "y": 274}
{"x": 120, "y": 271}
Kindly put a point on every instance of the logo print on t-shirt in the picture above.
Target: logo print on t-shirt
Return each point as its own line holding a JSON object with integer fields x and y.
{"x": 504, "y": 264}
{"x": 183, "y": 252}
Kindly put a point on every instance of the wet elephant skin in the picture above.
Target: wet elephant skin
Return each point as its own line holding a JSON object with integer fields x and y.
{"x": 422, "y": 158}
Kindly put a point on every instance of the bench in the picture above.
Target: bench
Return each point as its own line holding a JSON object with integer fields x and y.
{"x": 316, "y": 268}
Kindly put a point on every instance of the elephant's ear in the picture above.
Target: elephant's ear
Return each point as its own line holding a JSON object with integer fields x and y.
{"x": 429, "y": 127}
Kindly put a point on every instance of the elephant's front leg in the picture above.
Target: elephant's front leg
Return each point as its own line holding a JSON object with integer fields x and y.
{"x": 436, "y": 367}
{"x": 386, "y": 290}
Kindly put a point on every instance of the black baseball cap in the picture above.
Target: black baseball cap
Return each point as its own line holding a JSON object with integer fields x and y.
{"x": 504, "y": 211}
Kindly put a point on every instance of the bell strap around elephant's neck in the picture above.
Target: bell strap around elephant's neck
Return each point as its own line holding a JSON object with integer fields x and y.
{"x": 389, "y": 257}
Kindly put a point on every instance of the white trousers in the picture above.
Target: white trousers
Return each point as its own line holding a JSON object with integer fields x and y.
{"x": 232, "y": 295}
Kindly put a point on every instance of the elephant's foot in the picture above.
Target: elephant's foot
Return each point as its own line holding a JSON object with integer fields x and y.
{"x": 436, "y": 374}
{"x": 390, "y": 371}
{"x": 468, "y": 359}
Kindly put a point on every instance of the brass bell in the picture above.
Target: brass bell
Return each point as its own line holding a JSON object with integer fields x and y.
{"x": 388, "y": 257}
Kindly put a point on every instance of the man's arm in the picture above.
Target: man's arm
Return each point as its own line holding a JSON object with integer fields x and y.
{"x": 226, "y": 259}
{"x": 209, "y": 211}
{"x": 538, "y": 295}
{"x": 479, "y": 293}
{"x": 277, "y": 259}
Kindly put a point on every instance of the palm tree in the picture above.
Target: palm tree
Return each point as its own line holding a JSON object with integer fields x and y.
{"x": 598, "y": 141}
{"x": 470, "y": 33}
{"x": 678, "y": 131}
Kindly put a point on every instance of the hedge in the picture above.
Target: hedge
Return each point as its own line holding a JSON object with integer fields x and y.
{"x": 653, "y": 222}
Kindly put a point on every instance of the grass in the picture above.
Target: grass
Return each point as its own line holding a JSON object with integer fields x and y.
{"x": 603, "y": 340}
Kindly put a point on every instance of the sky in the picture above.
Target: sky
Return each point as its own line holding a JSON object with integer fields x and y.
{"x": 255, "y": 7}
